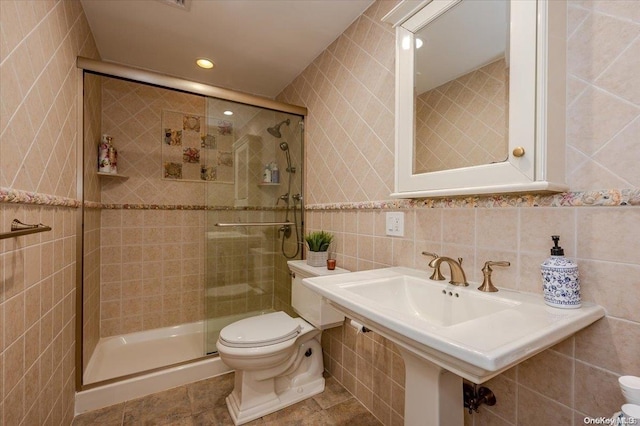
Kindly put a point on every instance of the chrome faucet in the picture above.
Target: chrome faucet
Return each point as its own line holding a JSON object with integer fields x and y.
{"x": 457, "y": 273}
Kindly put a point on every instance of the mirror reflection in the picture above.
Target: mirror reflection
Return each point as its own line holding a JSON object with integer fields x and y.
{"x": 461, "y": 92}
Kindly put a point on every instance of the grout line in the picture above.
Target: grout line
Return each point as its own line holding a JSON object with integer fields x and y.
{"x": 579, "y": 25}
{"x": 542, "y": 396}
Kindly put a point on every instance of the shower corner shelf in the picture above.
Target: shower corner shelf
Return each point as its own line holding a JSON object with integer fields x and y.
{"x": 268, "y": 184}
{"x": 113, "y": 175}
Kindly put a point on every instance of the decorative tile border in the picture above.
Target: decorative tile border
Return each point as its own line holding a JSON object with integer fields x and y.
{"x": 110, "y": 206}
{"x": 17, "y": 196}
{"x": 611, "y": 197}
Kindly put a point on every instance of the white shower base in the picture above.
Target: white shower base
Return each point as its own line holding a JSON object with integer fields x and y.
{"x": 136, "y": 352}
{"x": 144, "y": 350}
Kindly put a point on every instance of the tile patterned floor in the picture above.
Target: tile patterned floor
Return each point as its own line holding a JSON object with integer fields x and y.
{"x": 202, "y": 404}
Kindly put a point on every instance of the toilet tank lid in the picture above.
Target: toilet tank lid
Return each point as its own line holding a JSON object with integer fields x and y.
{"x": 301, "y": 267}
{"x": 261, "y": 330}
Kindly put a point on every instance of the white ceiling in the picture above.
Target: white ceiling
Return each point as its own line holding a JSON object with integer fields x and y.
{"x": 258, "y": 46}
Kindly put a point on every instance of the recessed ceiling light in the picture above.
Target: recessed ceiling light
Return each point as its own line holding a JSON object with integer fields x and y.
{"x": 228, "y": 112}
{"x": 204, "y": 63}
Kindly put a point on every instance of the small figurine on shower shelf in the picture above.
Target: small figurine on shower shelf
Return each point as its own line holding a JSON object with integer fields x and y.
{"x": 107, "y": 156}
{"x": 104, "y": 165}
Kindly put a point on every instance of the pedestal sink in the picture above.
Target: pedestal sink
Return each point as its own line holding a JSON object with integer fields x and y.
{"x": 446, "y": 333}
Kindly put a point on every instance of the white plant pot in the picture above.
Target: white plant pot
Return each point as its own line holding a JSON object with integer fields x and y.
{"x": 317, "y": 258}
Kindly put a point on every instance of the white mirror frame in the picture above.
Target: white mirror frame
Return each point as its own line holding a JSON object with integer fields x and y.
{"x": 537, "y": 104}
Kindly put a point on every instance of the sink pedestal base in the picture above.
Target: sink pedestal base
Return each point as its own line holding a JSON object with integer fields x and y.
{"x": 433, "y": 395}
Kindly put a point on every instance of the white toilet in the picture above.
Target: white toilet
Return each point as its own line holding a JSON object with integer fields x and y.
{"x": 278, "y": 359}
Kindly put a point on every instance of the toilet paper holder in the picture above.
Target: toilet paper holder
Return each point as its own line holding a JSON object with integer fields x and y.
{"x": 358, "y": 326}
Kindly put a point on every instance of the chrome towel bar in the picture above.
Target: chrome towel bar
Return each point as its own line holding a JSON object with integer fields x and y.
{"x": 228, "y": 225}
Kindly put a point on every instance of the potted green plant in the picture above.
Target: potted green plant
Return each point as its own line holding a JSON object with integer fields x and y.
{"x": 318, "y": 244}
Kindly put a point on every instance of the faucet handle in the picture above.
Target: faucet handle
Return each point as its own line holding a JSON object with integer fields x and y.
{"x": 487, "y": 284}
{"x": 436, "y": 275}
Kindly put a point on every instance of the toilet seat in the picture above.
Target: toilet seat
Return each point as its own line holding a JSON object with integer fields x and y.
{"x": 261, "y": 330}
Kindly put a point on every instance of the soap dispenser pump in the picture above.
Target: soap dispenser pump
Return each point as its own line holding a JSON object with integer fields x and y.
{"x": 560, "y": 280}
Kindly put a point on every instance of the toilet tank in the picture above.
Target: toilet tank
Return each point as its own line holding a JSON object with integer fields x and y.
{"x": 308, "y": 304}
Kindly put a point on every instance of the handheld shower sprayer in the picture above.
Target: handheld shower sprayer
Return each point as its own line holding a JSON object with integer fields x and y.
{"x": 275, "y": 130}
{"x": 287, "y": 197}
{"x": 285, "y": 147}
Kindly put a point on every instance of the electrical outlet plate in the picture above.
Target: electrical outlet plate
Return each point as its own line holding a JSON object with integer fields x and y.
{"x": 395, "y": 224}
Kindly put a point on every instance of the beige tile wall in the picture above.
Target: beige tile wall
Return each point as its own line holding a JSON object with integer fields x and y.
{"x": 132, "y": 114}
{"x": 39, "y": 41}
{"x": 152, "y": 269}
{"x": 151, "y": 261}
{"x": 349, "y": 92}
{"x": 263, "y": 149}
{"x": 464, "y": 121}
{"x": 37, "y": 300}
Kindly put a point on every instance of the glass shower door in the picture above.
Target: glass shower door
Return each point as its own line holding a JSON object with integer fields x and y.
{"x": 250, "y": 219}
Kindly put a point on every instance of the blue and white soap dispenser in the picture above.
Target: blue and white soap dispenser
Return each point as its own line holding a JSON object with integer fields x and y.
{"x": 560, "y": 280}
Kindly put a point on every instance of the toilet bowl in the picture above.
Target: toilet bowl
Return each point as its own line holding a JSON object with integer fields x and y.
{"x": 278, "y": 359}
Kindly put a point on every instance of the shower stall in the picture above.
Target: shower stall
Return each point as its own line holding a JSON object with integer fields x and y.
{"x": 190, "y": 232}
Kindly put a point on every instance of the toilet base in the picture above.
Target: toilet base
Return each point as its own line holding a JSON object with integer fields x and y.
{"x": 253, "y": 396}
{"x": 282, "y": 400}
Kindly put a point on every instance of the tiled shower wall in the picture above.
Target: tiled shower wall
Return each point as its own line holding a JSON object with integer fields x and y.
{"x": 39, "y": 42}
{"x": 152, "y": 269}
{"x": 151, "y": 260}
{"x": 132, "y": 115}
{"x": 349, "y": 91}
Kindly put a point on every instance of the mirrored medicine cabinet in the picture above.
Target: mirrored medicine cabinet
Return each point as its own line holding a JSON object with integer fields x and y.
{"x": 480, "y": 97}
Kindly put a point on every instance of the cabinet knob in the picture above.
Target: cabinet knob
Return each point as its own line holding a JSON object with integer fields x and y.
{"x": 518, "y": 151}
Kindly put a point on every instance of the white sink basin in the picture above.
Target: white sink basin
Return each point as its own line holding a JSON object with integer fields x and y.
{"x": 438, "y": 326}
{"x": 474, "y": 334}
{"x": 426, "y": 301}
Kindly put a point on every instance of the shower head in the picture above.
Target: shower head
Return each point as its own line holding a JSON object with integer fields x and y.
{"x": 275, "y": 130}
{"x": 284, "y": 146}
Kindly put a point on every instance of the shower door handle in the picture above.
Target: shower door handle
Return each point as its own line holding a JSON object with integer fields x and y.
{"x": 234, "y": 224}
